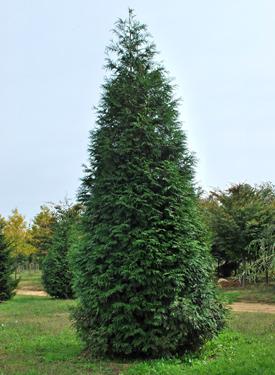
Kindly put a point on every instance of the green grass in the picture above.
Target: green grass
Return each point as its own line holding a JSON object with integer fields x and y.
{"x": 245, "y": 348}
{"x": 30, "y": 280}
{"x": 36, "y": 338}
{"x": 252, "y": 293}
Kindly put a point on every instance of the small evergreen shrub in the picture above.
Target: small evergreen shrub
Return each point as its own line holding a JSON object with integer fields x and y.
{"x": 56, "y": 271}
{"x": 7, "y": 281}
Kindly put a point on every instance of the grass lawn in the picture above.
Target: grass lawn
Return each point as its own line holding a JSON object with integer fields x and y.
{"x": 251, "y": 293}
{"x": 36, "y": 337}
{"x": 30, "y": 280}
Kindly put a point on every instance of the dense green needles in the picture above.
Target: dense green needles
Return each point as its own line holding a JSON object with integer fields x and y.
{"x": 7, "y": 281}
{"x": 143, "y": 271}
{"x": 57, "y": 274}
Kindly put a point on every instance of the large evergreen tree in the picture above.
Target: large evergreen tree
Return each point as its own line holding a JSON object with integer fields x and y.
{"x": 143, "y": 270}
{"x": 7, "y": 281}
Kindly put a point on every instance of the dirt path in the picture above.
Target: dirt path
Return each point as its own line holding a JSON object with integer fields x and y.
{"x": 252, "y": 307}
{"x": 236, "y": 306}
{"x": 23, "y": 292}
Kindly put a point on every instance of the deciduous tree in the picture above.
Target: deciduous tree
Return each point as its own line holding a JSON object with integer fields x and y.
{"x": 42, "y": 231}
{"x": 18, "y": 235}
{"x": 238, "y": 216}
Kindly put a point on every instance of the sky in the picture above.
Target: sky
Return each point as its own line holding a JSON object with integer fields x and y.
{"x": 221, "y": 55}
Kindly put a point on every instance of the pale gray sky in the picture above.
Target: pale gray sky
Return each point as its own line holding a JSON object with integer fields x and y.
{"x": 221, "y": 54}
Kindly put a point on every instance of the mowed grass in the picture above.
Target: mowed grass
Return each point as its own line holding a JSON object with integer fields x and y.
{"x": 30, "y": 280}
{"x": 251, "y": 293}
{"x": 36, "y": 337}
{"x": 246, "y": 347}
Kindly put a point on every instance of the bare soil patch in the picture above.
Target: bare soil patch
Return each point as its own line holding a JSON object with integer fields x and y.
{"x": 24, "y": 292}
{"x": 252, "y": 307}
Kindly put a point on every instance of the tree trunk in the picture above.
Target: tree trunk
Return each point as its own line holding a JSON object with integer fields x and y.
{"x": 266, "y": 277}
{"x": 244, "y": 274}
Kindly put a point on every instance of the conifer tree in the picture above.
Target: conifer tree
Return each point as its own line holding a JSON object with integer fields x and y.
{"x": 7, "y": 282}
{"x": 143, "y": 270}
{"x": 56, "y": 270}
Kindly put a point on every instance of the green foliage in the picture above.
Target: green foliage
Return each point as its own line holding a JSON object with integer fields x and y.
{"x": 229, "y": 296}
{"x": 236, "y": 217}
{"x": 143, "y": 269}
{"x": 18, "y": 235}
{"x": 57, "y": 275}
{"x": 42, "y": 231}
{"x": 230, "y": 353}
{"x": 263, "y": 250}
{"x": 7, "y": 281}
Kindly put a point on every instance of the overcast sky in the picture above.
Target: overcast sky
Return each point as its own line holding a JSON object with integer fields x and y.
{"x": 221, "y": 54}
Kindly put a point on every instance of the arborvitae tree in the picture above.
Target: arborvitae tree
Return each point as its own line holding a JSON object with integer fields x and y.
{"x": 143, "y": 270}
{"x": 56, "y": 270}
{"x": 7, "y": 281}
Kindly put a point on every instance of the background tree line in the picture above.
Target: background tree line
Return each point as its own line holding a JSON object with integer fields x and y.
{"x": 44, "y": 243}
{"x": 241, "y": 220}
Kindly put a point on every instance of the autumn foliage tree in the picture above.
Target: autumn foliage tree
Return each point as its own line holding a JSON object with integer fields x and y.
{"x": 143, "y": 270}
{"x": 18, "y": 234}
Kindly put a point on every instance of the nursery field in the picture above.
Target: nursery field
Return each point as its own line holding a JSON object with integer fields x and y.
{"x": 36, "y": 337}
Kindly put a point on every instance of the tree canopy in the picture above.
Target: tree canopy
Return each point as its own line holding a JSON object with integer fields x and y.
{"x": 42, "y": 230}
{"x": 18, "y": 235}
{"x": 238, "y": 216}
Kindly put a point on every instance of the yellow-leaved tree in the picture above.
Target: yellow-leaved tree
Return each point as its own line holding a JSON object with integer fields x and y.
{"x": 18, "y": 235}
